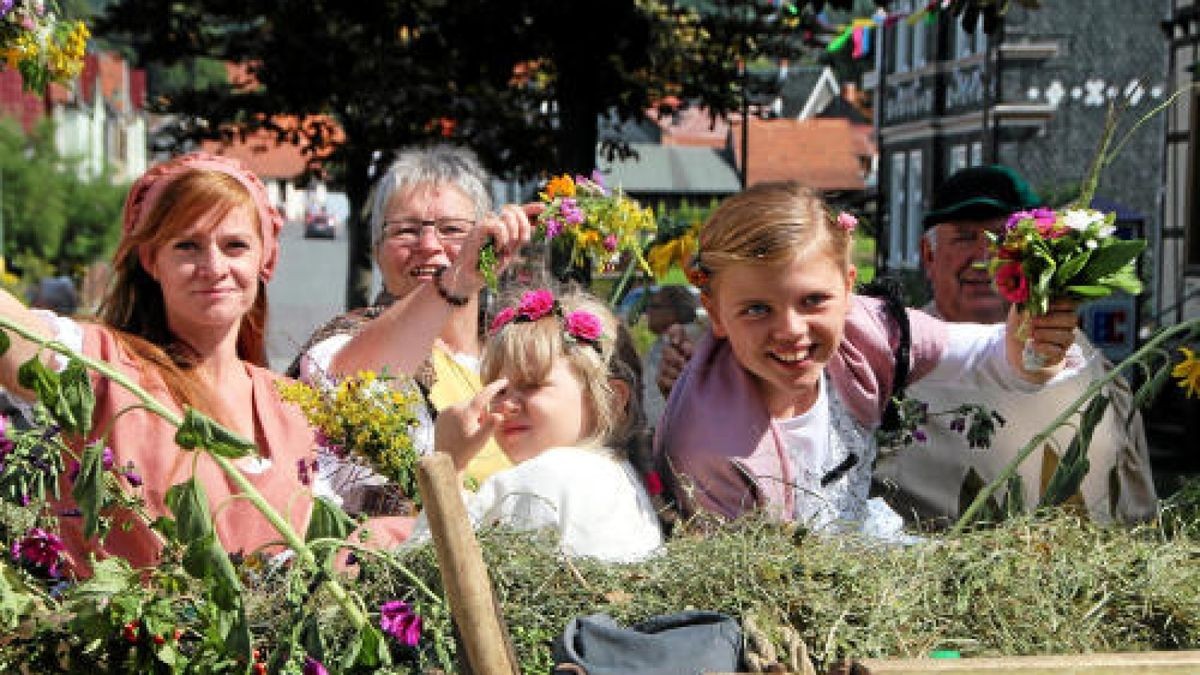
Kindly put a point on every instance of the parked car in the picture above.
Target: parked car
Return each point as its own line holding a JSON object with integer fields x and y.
{"x": 319, "y": 226}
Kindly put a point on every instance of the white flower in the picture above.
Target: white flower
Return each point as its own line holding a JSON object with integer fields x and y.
{"x": 1091, "y": 243}
{"x": 1081, "y": 219}
{"x": 1107, "y": 230}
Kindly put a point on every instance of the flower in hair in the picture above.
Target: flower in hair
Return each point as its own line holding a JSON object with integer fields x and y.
{"x": 536, "y": 304}
{"x": 503, "y": 317}
{"x": 583, "y": 325}
{"x": 847, "y": 221}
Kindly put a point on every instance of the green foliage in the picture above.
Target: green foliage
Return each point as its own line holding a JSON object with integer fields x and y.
{"x": 49, "y": 213}
{"x": 201, "y": 431}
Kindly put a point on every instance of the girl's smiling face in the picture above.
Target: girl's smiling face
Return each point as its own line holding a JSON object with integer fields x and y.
{"x": 537, "y": 416}
{"x": 783, "y": 322}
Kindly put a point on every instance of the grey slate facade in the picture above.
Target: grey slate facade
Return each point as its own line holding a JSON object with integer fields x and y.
{"x": 1033, "y": 96}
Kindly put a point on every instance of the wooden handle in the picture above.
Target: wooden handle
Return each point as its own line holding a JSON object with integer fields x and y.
{"x": 464, "y": 576}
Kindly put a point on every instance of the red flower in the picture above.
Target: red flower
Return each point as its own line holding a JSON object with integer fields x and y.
{"x": 536, "y": 304}
{"x": 503, "y": 317}
{"x": 584, "y": 325}
{"x": 654, "y": 484}
{"x": 1011, "y": 282}
{"x": 41, "y": 548}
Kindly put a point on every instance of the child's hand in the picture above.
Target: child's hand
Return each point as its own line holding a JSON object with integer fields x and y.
{"x": 1048, "y": 336}
{"x": 462, "y": 430}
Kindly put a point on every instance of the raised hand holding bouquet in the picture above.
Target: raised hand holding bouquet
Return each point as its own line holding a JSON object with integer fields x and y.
{"x": 38, "y": 44}
{"x": 599, "y": 224}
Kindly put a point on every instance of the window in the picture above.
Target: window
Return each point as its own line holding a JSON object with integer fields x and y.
{"x": 897, "y": 214}
{"x": 958, "y": 159}
{"x": 977, "y": 153}
{"x": 919, "y": 37}
{"x": 966, "y": 44}
{"x": 912, "y": 253}
{"x": 902, "y": 46}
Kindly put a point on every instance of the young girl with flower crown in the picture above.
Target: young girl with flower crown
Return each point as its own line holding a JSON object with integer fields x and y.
{"x": 558, "y": 405}
{"x": 777, "y": 407}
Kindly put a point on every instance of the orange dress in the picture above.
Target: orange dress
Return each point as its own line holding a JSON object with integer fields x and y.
{"x": 283, "y": 436}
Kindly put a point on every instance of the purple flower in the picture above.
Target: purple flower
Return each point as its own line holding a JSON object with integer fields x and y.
{"x": 5, "y": 6}
{"x": 598, "y": 179}
{"x": 40, "y": 548}
{"x": 6, "y": 443}
{"x": 571, "y": 211}
{"x": 302, "y": 472}
{"x": 920, "y": 435}
{"x": 610, "y": 243}
{"x": 958, "y": 424}
{"x": 554, "y": 227}
{"x": 132, "y": 476}
{"x": 313, "y": 667}
{"x": 397, "y": 619}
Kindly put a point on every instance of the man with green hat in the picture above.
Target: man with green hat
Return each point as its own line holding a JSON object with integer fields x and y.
{"x": 933, "y": 481}
{"x": 954, "y": 250}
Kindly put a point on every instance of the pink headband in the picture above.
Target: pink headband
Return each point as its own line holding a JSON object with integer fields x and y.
{"x": 147, "y": 190}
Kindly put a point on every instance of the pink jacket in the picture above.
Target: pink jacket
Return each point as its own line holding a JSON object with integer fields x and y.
{"x": 147, "y": 441}
{"x": 719, "y": 448}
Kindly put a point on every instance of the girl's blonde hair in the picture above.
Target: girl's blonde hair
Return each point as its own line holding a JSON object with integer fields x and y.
{"x": 134, "y": 303}
{"x": 770, "y": 223}
{"x": 527, "y": 350}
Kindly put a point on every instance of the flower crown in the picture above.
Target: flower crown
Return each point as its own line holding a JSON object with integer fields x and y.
{"x": 579, "y": 326}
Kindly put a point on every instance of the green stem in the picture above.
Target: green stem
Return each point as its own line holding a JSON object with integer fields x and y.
{"x": 984, "y": 495}
{"x": 356, "y": 616}
{"x": 623, "y": 282}
{"x": 387, "y": 559}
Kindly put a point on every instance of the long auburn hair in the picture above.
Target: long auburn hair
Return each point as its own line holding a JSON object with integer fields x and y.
{"x": 134, "y": 302}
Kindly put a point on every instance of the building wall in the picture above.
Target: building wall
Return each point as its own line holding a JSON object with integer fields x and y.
{"x": 1177, "y": 284}
{"x": 1112, "y": 52}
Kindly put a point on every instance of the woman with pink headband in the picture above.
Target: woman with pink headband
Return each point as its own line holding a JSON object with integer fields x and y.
{"x": 184, "y": 318}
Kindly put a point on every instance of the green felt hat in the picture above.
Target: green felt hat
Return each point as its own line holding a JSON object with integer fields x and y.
{"x": 980, "y": 193}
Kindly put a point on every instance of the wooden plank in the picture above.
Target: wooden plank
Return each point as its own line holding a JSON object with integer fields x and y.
{"x": 464, "y": 576}
{"x": 1167, "y": 663}
{"x": 1067, "y": 664}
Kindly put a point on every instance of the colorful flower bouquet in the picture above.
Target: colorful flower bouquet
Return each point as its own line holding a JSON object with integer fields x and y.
{"x": 364, "y": 423}
{"x": 1073, "y": 253}
{"x": 599, "y": 224}
{"x": 41, "y": 47}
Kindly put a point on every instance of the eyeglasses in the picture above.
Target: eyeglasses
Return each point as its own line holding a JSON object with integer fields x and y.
{"x": 407, "y": 231}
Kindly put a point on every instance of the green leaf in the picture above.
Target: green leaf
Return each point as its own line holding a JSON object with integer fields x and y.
{"x": 189, "y": 503}
{"x": 5, "y": 341}
{"x": 1111, "y": 257}
{"x": 109, "y": 577}
{"x": 88, "y": 489}
{"x": 328, "y": 520}
{"x": 36, "y": 377}
{"x": 77, "y": 401}
{"x": 1073, "y": 467}
{"x": 15, "y": 598}
{"x": 205, "y": 559}
{"x": 1125, "y": 279}
{"x": 1069, "y": 269}
{"x": 1089, "y": 292}
{"x": 201, "y": 431}
{"x": 368, "y": 651}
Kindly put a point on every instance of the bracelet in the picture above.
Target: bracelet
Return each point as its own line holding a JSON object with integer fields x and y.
{"x": 454, "y": 300}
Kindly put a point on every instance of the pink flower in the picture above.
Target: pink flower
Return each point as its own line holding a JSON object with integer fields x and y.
{"x": 610, "y": 243}
{"x": 41, "y": 548}
{"x": 584, "y": 325}
{"x": 313, "y": 667}
{"x": 503, "y": 317}
{"x": 554, "y": 227}
{"x": 397, "y": 619}
{"x": 1011, "y": 282}
{"x": 536, "y": 304}
{"x": 847, "y": 221}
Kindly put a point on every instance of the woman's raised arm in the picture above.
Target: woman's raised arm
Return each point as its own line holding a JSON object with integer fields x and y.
{"x": 20, "y": 350}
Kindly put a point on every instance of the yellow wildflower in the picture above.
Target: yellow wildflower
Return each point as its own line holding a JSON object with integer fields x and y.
{"x": 1188, "y": 372}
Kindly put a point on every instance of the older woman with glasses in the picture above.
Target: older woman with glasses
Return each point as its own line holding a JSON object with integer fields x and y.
{"x": 430, "y": 216}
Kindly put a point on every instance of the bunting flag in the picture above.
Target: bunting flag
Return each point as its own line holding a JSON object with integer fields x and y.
{"x": 862, "y": 37}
